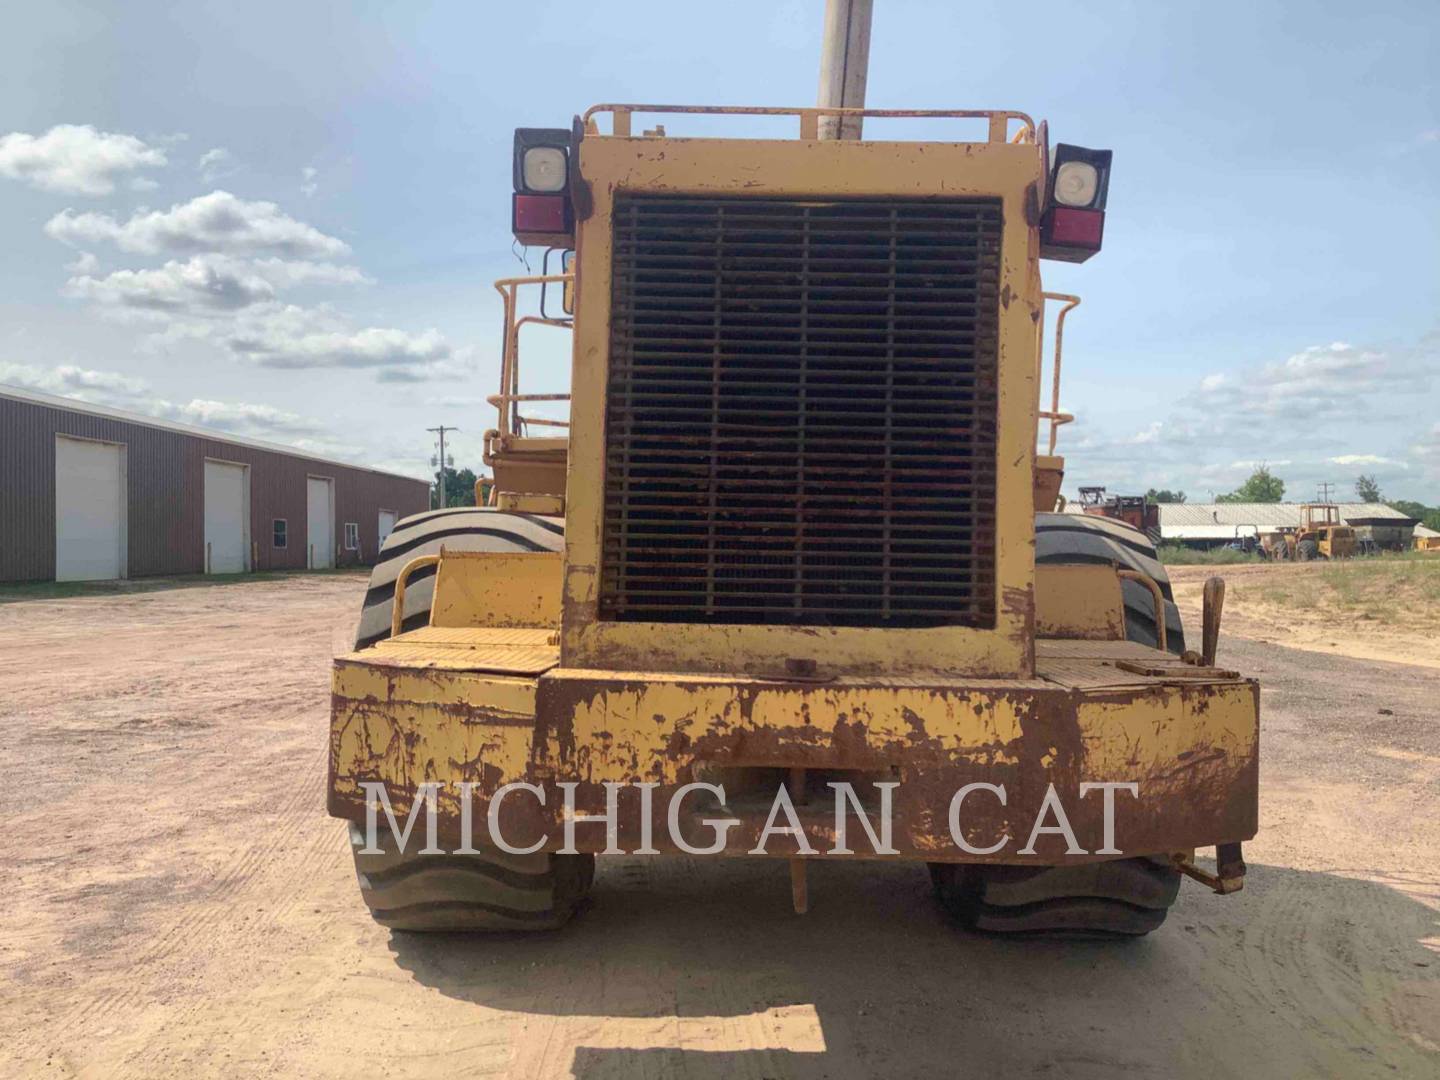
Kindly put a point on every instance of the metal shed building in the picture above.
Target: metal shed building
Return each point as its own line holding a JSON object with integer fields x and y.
{"x": 1206, "y": 524}
{"x": 91, "y": 493}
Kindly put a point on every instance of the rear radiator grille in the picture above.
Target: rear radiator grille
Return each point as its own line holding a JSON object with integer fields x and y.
{"x": 801, "y": 413}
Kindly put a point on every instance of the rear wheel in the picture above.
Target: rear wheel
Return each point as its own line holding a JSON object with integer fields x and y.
{"x": 465, "y": 528}
{"x": 1306, "y": 550}
{"x": 1122, "y": 898}
{"x": 1069, "y": 539}
{"x": 492, "y": 891}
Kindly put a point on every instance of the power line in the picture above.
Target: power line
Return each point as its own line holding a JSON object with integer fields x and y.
{"x": 1324, "y": 490}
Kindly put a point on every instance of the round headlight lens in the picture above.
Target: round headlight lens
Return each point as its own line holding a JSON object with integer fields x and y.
{"x": 1076, "y": 183}
{"x": 544, "y": 168}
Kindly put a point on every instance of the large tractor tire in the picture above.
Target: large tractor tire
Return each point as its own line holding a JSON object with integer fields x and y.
{"x": 492, "y": 891}
{"x": 1307, "y": 551}
{"x": 1120, "y": 898}
{"x": 466, "y": 528}
{"x": 1068, "y": 539}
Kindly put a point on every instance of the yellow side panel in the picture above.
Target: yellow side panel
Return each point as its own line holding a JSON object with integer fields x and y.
{"x": 400, "y": 728}
{"x": 1079, "y": 602}
{"x": 497, "y": 589}
{"x": 1171, "y": 736}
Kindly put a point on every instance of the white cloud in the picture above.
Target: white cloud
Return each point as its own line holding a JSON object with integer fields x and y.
{"x": 1324, "y": 414}
{"x": 75, "y": 159}
{"x": 1323, "y": 382}
{"x": 84, "y": 263}
{"x": 126, "y": 392}
{"x": 218, "y": 222}
{"x": 1366, "y": 459}
{"x": 286, "y": 272}
{"x": 205, "y": 285}
{"x": 276, "y": 346}
{"x": 215, "y": 163}
{"x": 308, "y": 186}
{"x": 196, "y": 286}
{"x": 68, "y": 379}
{"x": 1426, "y": 452}
{"x": 239, "y": 417}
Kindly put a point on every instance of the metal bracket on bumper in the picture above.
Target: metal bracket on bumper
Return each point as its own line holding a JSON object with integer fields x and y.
{"x": 1229, "y": 865}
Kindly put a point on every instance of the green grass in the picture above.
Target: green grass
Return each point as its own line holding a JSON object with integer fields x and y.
{"x": 1390, "y": 590}
{"x": 1179, "y": 555}
{"x": 16, "y": 592}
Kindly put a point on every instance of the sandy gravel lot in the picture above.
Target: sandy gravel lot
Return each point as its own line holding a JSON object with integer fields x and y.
{"x": 177, "y": 903}
{"x": 1393, "y": 611}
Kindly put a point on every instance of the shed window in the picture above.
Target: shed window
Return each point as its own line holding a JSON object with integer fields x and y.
{"x": 278, "y": 536}
{"x": 352, "y": 536}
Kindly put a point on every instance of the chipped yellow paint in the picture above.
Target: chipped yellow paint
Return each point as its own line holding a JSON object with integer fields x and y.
{"x": 1079, "y": 602}
{"x": 810, "y": 169}
{"x": 643, "y": 713}
{"x": 1169, "y": 728}
{"x": 408, "y": 727}
{"x": 499, "y": 589}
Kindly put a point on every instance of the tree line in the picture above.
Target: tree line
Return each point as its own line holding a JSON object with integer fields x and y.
{"x": 1263, "y": 486}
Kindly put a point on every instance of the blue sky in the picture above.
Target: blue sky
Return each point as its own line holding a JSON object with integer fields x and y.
{"x": 1270, "y": 287}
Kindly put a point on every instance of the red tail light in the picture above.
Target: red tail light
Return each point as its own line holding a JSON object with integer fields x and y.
{"x": 1071, "y": 235}
{"x": 542, "y": 219}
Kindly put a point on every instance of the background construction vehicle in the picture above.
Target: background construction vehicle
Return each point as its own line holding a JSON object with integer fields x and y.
{"x": 794, "y": 531}
{"x": 1135, "y": 510}
{"x": 1320, "y": 535}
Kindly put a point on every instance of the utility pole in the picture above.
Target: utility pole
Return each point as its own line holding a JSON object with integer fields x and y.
{"x": 1325, "y": 491}
{"x": 844, "y": 63}
{"x": 441, "y": 430}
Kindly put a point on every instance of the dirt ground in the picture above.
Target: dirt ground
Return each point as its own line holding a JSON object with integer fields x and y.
{"x": 177, "y": 903}
{"x": 1371, "y": 609}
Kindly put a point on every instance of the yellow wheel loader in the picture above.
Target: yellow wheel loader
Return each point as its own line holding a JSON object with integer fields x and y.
{"x": 1321, "y": 534}
{"x": 788, "y": 581}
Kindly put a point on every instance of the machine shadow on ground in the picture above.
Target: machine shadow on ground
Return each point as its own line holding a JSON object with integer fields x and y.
{"x": 897, "y": 990}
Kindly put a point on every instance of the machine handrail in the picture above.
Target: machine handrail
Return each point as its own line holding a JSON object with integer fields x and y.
{"x": 809, "y": 116}
{"x": 511, "y": 421}
{"x": 1053, "y": 414}
{"x": 397, "y": 609}
{"x": 1156, "y": 595}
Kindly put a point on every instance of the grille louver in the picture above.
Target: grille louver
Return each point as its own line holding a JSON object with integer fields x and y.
{"x": 801, "y": 412}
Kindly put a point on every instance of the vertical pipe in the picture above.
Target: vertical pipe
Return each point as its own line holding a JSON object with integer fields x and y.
{"x": 844, "y": 65}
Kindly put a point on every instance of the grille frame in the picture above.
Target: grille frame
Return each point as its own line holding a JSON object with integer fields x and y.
{"x": 925, "y": 546}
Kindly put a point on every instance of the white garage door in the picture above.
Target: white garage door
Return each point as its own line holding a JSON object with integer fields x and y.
{"x": 227, "y": 518}
{"x": 320, "y": 522}
{"x": 387, "y": 525}
{"x": 90, "y": 511}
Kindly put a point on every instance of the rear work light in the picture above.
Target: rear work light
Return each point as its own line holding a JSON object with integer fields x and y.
{"x": 541, "y": 211}
{"x": 1073, "y": 224}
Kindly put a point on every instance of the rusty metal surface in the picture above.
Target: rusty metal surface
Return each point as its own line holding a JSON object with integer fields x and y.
{"x": 1079, "y": 601}
{"x": 1211, "y": 612}
{"x": 776, "y": 365}
{"x": 789, "y": 170}
{"x": 1190, "y": 747}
